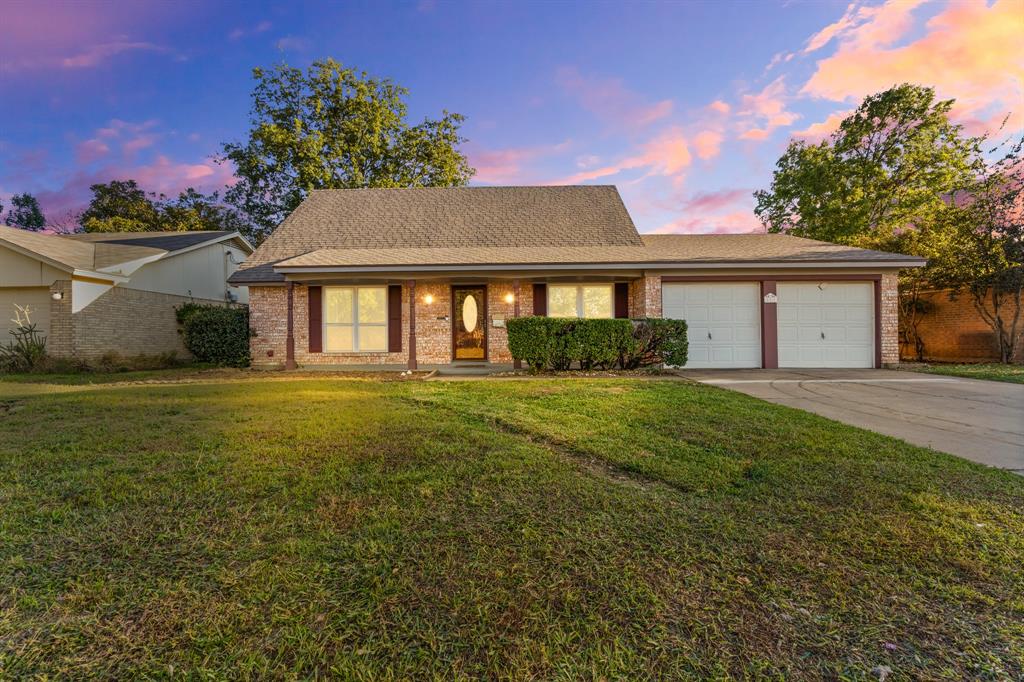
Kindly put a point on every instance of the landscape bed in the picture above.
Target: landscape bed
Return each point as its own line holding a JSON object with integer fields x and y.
{"x": 546, "y": 528}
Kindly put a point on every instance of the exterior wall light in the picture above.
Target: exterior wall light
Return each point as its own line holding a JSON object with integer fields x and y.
{"x": 56, "y": 295}
{"x": 510, "y": 298}
{"x": 428, "y": 299}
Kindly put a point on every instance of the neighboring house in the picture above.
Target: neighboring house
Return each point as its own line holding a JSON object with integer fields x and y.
{"x": 953, "y": 331}
{"x": 406, "y": 277}
{"x": 92, "y": 294}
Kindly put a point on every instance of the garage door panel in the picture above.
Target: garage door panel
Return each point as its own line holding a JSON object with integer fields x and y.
{"x": 727, "y": 312}
{"x": 826, "y": 324}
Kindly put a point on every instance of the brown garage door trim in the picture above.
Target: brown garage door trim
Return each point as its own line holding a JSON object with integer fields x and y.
{"x": 769, "y": 318}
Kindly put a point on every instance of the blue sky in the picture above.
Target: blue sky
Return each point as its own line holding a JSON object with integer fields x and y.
{"x": 684, "y": 106}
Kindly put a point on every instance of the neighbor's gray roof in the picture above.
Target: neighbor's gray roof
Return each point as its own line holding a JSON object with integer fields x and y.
{"x": 446, "y": 218}
{"x": 73, "y": 254}
{"x": 675, "y": 248}
{"x": 168, "y": 241}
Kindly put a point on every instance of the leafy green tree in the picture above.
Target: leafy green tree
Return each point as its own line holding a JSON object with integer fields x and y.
{"x": 888, "y": 166}
{"x": 193, "y": 210}
{"x": 986, "y": 259}
{"x": 25, "y": 213}
{"x": 120, "y": 206}
{"x": 334, "y": 127}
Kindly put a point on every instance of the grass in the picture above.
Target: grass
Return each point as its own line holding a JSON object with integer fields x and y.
{"x": 992, "y": 371}
{"x": 504, "y": 529}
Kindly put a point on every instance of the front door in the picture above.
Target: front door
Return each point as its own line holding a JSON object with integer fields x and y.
{"x": 469, "y": 322}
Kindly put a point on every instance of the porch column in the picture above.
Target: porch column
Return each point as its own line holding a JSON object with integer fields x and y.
{"x": 411, "y": 286}
{"x": 289, "y": 344}
{"x": 516, "y": 363}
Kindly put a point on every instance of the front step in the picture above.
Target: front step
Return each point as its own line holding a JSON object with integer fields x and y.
{"x": 472, "y": 368}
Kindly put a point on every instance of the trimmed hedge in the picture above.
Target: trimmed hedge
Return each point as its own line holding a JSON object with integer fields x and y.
{"x": 216, "y": 334}
{"x": 557, "y": 343}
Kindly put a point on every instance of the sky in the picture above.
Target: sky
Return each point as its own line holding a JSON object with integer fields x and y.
{"x": 685, "y": 106}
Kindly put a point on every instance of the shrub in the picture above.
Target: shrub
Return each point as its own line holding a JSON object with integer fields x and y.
{"x": 26, "y": 352}
{"x": 654, "y": 341}
{"x": 556, "y": 343}
{"x": 216, "y": 334}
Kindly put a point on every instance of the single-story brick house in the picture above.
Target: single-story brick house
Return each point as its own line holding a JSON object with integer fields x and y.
{"x": 414, "y": 277}
{"x": 93, "y": 294}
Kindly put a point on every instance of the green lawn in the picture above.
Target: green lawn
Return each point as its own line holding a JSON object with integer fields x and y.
{"x": 993, "y": 371}
{"x": 504, "y": 529}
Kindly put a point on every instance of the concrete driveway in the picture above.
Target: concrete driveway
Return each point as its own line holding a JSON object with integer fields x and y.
{"x": 979, "y": 420}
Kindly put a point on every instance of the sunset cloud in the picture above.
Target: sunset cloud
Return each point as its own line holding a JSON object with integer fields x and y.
{"x": 727, "y": 211}
{"x": 707, "y": 143}
{"x": 817, "y": 132}
{"x": 666, "y": 155}
{"x": 969, "y": 51}
{"x": 508, "y": 166}
{"x": 762, "y": 112}
{"x": 610, "y": 99}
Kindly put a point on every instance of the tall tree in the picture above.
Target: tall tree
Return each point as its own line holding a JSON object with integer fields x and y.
{"x": 334, "y": 127}
{"x": 120, "y": 206}
{"x": 193, "y": 210}
{"x": 986, "y": 261}
{"x": 25, "y": 213}
{"x": 888, "y": 166}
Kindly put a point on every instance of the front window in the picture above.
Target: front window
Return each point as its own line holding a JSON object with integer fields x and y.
{"x": 355, "y": 319}
{"x": 582, "y": 300}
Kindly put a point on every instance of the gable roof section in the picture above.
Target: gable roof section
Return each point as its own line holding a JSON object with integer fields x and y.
{"x": 168, "y": 241}
{"x": 71, "y": 254}
{"x": 656, "y": 250}
{"x": 445, "y": 218}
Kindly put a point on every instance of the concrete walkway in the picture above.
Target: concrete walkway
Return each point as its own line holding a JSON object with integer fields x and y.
{"x": 978, "y": 420}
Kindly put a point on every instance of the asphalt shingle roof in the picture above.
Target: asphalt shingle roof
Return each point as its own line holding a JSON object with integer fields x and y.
{"x": 503, "y": 225}
{"x": 168, "y": 241}
{"x": 75, "y": 254}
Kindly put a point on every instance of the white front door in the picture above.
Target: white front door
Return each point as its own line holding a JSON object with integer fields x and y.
{"x": 723, "y": 321}
{"x": 826, "y": 324}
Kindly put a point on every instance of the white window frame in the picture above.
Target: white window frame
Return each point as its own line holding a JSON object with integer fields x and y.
{"x": 579, "y": 298}
{"x": 355, "y": 324}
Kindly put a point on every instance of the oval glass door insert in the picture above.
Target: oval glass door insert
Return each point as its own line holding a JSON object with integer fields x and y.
{"x": 469, "y": 313}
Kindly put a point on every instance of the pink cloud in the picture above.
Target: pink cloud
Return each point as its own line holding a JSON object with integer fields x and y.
{"x": 728, "y": 211}
{"x": 134, "y": 145}
{"x": 94, "y": 54}
{"x": 970, "y": 51}
{"x": 719, "y": 107}
{"x": 707, "y": 143}
{"x": 764, "y": 111}
{"x": 90, "y": 150}
{"x": 817, "y": 132}
{"x": 610, "y": 99}
{"x": 508, "y": 166}
{"x": 666, "y": 155}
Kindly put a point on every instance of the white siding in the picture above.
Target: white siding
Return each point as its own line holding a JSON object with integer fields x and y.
{"x": 200, "y": 274}
{"x": 36, "y": 298}
{"x": 17, "y": 270}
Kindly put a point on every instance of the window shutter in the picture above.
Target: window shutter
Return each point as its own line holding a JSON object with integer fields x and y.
{"x": 621, "y": 299}
{"x": 394, "y": 318}
{"x": 540, "y": 299}
{"x": 314, "y": 299}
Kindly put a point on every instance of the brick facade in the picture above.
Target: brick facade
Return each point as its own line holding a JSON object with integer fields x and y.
{"x": 890, "y": 314}
{"x": 122, "y": 321}
{"x": 953, "y": 331}
{"x": 268, "y": 315}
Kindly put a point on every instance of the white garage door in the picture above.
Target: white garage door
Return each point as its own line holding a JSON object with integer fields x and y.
{"x": 826, "y": 324}
{"x": 723, "y": 319}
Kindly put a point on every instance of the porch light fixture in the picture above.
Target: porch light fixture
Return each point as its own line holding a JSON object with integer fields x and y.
{"x": 428, "y": 299}
{"x": 56, "y": 295}
{"x": 510, "y": 298}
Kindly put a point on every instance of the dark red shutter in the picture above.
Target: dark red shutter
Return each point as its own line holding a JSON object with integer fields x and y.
{"x": 395, "y": 318}
{"x": 540, "y": 299}
{"x": 621, "y": 299}
{"x": 316, "y": 319}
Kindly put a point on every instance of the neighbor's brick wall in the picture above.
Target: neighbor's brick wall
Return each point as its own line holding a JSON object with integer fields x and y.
{"x": 645, "y": 297}
{"x": 890, "y": 314}
{"x": 128, "y": 322}
{"x": 953, "y": 331}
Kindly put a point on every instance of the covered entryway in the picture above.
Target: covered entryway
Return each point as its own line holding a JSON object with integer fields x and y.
{"x": 826, "y": 324}
{"x": 723, "y": 321}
